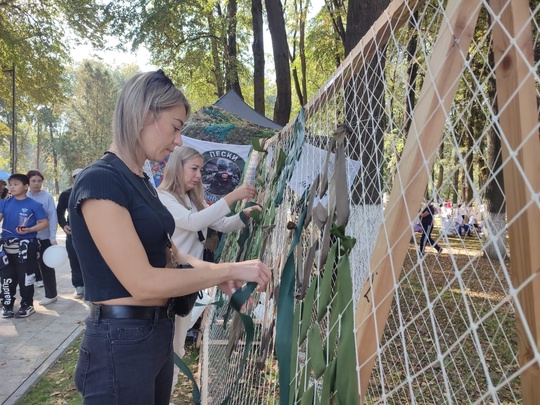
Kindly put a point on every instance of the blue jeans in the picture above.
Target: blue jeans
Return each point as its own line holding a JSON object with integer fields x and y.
{"x": 465, "y": 228}
{"x": 126, "y": 361}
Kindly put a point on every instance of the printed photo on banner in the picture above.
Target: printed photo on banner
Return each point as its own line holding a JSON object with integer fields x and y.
{"x": 222, "y": 169}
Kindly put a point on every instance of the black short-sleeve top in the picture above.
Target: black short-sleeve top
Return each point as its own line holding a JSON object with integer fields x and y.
{"x": 102, "y": 181}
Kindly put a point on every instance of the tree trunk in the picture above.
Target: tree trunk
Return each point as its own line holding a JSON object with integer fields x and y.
{"x": 258, "y": 56}
{"x": 300, "y": 83}
{"x": 495, "y": 209}
{"x": 302, "y": 50}
{"x": 55, "y": 159}
{"x": 334, "y": 7}
{"x": 215, "y": 46}
{"x": 455, "y": 196}
{"x": 38, "y": 144}
{"x": 468, "y": 175}
{"x": 280, "y": 47}
{"x": 296, "y": 81}
{"x": 440, "y": 174}
{"x": 364, "y": 113}
{"x": 364, "y": 95}
{"x": 481, "y": 165}
{"x": 412, "y": 72}
{"x": 231, "y": 62}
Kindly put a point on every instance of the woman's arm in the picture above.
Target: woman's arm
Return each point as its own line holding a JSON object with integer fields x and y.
{"x": 112, "y": 230}
{"x": 234, "y": 223}
{"x": 193, "y": 221}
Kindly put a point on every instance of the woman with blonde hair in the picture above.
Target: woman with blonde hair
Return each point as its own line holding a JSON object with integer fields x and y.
{"x": 120, "y": 232}
{"x": 181, "y": 191}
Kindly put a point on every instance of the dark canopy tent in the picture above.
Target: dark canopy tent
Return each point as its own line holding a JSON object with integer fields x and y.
{"x": 234, "y": 104}
{"x": 229, "y": 120}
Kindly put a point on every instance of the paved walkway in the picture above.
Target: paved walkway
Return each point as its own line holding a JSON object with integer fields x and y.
{"x": 30, "y": 346}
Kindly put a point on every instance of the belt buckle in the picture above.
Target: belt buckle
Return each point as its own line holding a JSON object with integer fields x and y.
{"x": 170, "y": 310}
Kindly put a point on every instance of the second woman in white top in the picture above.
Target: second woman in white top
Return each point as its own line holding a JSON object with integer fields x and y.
{"x": 181, "y": 191}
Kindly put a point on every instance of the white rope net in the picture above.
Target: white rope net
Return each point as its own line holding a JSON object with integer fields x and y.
{"x": 427, "y": 120}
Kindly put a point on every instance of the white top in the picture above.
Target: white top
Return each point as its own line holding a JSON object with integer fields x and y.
{"x": 47, "y": 201}
{"x": 189, "y": 221}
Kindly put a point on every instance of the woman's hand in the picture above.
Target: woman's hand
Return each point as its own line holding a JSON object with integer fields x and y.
{"x": 245, "y": 191}
{"x": 250, "y": 271}
{"x": 230, "y": 287}
{"x": 247, "y": 211}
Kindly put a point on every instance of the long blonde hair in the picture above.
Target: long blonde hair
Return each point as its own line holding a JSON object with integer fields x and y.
{"x": 173, "y": 177}
{"x": 143, "y": 93}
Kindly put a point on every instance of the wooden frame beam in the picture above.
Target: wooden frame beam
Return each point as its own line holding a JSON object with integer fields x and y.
{"x": 518, "y": 117}
{"x": 444, "y": 70}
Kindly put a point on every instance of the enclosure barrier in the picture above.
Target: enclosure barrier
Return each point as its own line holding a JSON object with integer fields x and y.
{"x": 438, "y": 101}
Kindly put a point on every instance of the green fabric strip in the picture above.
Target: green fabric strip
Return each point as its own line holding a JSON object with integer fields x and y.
{"x": 326, "y": 284}
{"x": 307, "y": 310}
{"x": 308, "y": 397}
{"x": 316, "y": 351}
{"x": 196, "y": 394}
{"x": 346, "y": 376}
{"x": 294, "y": 348}
{"x": 250, "y": 332}
{"x": 284, "y": 328}
{"x": 328, "y": 382}
{"x": 285, "y": 314}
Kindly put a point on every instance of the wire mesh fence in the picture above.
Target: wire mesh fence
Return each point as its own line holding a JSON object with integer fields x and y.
{"x": 436, "y": 107}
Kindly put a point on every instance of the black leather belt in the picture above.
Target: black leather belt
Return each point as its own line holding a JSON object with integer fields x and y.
{"x": 131, "y": 312}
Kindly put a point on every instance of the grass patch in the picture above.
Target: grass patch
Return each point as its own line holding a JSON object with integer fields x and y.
{"x": 56, "y": 387}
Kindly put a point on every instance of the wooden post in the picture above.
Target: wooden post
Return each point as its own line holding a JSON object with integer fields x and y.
{"x": 518, "y": 112}
{"x": 425, "y": 134}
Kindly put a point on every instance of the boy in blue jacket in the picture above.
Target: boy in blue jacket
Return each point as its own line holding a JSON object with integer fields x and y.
{"x": 22, "y": 218}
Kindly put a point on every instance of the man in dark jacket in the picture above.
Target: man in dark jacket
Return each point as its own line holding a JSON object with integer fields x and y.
{"x": 63, "y": 221}
{"x": 427, "y": 218}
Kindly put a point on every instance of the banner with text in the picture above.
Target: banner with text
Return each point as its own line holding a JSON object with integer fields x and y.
{"x": 222, "y": 168}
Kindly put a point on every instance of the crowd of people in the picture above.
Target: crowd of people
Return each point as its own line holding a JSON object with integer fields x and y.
{"x": 29, "y": 225}
{"x": 460, "y": 220}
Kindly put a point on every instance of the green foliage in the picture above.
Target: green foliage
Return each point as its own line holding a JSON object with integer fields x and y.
{"x": 33, "y": 37}
{"x": 88, "y": 116}
{"x": 324, "y": 50}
